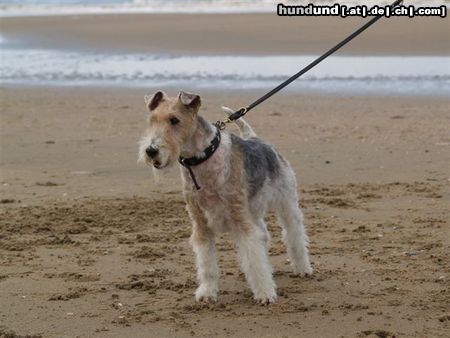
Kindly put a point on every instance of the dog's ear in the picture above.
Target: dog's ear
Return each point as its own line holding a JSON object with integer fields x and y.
{"x": 153, "y": 101}
{"x": 190, "y": 100}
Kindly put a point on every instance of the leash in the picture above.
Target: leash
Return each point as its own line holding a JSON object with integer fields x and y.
{"x": 244, "y": 110}
{"x": 220, "y": 125}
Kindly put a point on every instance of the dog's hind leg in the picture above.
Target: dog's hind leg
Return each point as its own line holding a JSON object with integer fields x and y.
{"x": 294, "y": 233}
{"x": 244, "y": 128}
{"x": 254, "y": 261}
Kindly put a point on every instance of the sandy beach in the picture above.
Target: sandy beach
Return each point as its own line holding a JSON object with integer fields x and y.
{"x": 92, "y": 246}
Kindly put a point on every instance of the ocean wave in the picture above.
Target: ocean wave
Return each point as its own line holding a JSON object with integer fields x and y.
{"x": 345, "y": 73}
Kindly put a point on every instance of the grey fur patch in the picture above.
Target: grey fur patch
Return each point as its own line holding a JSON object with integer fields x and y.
{"x": 260, "y": 161}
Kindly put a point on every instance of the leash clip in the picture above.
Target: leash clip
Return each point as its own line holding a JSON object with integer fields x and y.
{"x": 221, "y": 125}
{"x": 242, "y": 111}
{"x": 238, "y": 114}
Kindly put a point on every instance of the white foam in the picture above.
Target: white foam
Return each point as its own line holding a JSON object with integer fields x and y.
{"x": 413, "y": 75}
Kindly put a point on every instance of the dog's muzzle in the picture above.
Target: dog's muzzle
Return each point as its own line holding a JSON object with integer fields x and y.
{"x": 152, "y": 152}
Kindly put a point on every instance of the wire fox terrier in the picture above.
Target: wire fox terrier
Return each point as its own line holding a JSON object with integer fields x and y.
{"x": 239, "y": 178}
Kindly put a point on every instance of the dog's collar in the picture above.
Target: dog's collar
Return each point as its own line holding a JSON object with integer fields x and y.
{"x": 188, "y": 162}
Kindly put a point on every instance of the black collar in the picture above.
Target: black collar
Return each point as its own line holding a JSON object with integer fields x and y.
{"x": 193, "y": 161}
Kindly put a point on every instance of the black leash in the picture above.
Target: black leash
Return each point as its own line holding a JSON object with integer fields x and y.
{"x": 242, "y": 111}
{"x": 209, "y": 151}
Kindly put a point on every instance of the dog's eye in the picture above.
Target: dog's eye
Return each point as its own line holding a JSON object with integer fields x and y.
{"x": 174, "y": 121}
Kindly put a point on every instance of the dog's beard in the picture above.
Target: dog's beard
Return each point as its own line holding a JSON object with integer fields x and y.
{"x": 142, "y": 155}
{"x": 165, "y": 160}
{"x": 157, "y": 175}
{"x": 160, "y": 175}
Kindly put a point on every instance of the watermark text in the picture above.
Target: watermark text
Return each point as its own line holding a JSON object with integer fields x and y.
{"x": 344, "y": 11}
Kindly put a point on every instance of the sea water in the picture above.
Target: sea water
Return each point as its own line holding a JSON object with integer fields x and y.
{"x": 396, "y": 75}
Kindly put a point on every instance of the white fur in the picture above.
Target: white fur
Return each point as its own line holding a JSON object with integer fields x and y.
{"x": 207, "y": 270}
{"x": 254, "y": 261}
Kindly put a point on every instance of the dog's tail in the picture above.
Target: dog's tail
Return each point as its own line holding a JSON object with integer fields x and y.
{"x": 244, "y": 127}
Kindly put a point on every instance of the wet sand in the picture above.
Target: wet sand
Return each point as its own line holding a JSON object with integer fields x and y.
{"x": 229, "y": 34}
{"x": 91, "y": 246}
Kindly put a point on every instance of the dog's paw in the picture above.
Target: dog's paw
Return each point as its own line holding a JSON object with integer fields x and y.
{"x": 303, "y": 271}
{"x": 266, "y": 298}
{"x": 206, "y": 293}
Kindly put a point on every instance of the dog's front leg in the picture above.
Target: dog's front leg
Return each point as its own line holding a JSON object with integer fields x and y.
{"x": 204, "y": 246}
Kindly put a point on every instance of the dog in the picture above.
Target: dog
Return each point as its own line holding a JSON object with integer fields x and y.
{"x": 229, "y": 182}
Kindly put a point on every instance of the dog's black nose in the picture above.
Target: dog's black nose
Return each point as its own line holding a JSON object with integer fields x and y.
{"x": 151, "y": 151}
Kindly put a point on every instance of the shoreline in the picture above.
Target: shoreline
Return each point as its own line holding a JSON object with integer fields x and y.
{"x": 254, "y": 92}
{"x": 221, "y": 50}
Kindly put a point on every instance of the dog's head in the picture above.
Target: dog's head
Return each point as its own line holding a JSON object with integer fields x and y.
{"x": 171, "y": 123}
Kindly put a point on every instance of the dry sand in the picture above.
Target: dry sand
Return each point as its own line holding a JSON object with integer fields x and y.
{"x": 91, "y": 247}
